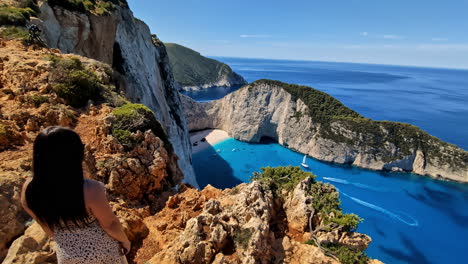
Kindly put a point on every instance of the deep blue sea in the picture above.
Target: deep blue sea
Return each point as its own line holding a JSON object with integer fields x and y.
{"x": 411, "y": 219}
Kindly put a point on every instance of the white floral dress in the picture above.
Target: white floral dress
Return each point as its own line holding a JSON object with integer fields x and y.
{"x": 86, "y": 245}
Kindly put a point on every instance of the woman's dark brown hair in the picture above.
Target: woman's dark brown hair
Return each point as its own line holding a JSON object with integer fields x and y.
{"x": 55, "y": 194}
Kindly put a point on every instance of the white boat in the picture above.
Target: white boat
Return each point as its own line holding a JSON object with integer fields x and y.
{"x": 304, "y": 164}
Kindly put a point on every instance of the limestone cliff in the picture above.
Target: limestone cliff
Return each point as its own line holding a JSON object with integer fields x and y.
{"x": 314, "y": 123}
{"x": 196, "y": 72}
{"x": 142, "y": 67}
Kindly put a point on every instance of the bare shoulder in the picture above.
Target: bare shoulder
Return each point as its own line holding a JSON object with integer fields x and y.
{"x": 23, "y": 191}
{"x": 93, "y": 189}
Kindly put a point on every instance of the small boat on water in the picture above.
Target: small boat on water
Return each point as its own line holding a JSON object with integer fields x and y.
{"x": 304, "y": 164}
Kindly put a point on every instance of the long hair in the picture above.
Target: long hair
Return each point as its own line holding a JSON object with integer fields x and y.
{"x": 55, "y": 194}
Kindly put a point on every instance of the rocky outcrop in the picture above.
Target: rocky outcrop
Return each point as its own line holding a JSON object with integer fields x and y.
{"x": 195, "y": 72}
{"x": 32, "y": 247}
{"x": 331, "y": 133}
{"x": 142, "y": 66}
{"x": 242, "y": 225}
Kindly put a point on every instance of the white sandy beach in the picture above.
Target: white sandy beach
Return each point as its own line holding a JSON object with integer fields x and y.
{"x": 212, "y": 137}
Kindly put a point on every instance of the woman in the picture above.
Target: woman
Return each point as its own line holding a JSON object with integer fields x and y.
{"x": 72, "y": 210}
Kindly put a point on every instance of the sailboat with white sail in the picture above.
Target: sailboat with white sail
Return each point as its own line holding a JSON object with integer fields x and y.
{"x": 304, "y": 164}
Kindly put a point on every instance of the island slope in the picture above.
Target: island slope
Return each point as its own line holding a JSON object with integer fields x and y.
{"x": 194, "y": 72}
{"x": 314, "y": 123}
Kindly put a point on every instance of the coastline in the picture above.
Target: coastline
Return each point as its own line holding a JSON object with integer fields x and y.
{"x": 212, "y": 136}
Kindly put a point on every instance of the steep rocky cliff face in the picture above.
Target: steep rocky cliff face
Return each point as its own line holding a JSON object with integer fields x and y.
{"x": 316, "y": 124}
{"x": 141, "y": 63}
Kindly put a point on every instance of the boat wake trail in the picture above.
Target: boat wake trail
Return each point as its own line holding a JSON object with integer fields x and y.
{"x": 360, "y": 185}
{"x": 409, "y": 220}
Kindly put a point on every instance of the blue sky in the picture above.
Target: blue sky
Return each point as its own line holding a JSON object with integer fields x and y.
{"x": 410, "y": 32}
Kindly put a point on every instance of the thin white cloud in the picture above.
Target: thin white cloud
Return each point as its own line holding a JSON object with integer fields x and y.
{"x": 255, "y": 36}
{"x": 392, "y": 37}
{"x": 439, "y": 39}
{"x": 364, "y": 34}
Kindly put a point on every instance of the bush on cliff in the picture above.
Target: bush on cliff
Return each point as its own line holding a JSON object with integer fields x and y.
{"x": 13, "y": 32}
{"x": 97, "y": 7}
{"x": 131, "y": 118}
{"x": 73, "y": 82}
{"x": 15, "y": 16}
{"x": 281, "y": 178}
{"x": 325, "y": 197}
{"x": 347, "y": 255}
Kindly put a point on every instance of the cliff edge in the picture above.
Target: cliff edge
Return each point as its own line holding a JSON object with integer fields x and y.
{"x": 314, "y": 123}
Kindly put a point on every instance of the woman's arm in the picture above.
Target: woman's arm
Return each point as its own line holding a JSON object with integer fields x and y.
{"x": 26, "y": 208}
{"x": 96, "y": 201}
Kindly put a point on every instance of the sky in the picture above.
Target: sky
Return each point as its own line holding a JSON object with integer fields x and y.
{"x": 431, "y": 33}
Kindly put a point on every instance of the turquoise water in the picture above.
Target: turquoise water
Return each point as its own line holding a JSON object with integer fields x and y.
{"x": 411, "y": 219}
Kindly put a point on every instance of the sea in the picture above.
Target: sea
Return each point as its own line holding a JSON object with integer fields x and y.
{"x": 411, "y": 218}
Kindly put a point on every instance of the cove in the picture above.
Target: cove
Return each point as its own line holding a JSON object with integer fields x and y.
{"x": 411, "y": 218}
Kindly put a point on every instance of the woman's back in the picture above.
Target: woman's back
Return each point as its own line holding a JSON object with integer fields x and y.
{"x": 89, "y": 244}
{"x": 86, "y": 244}
{"x": 69, "y": 208}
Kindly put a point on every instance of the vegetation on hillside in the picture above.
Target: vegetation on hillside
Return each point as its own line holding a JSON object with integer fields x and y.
{"x": 325, "y": 201}
{"x": 97, "y": 7}
{"x": 14, "y": 32}
{"x": 327, "y": 111}
{"x": 73, "y": 82}
{"x": 130, "y": 118}
{"x": 79, "y": 84}
{"x": 15, "y": 16}
{"x": 190, "y": 68}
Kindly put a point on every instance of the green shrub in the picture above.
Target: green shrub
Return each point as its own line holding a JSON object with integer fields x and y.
{"x": 15, "y": 16}
{"x": 281, "y": 178}
{"x": 326, "y": 201}
{"x": 79, "y": 87}
{"x": 14, "y": 33}
{"x": 36, "y": 100}
{"x": 326, "y": 198}
{"x": 347, "y": 255}
{"x": 72, "y": 82}
{"x": 134, "y": 117}
{"x": 125, "y": 137}
{"x": 349, "y": 222}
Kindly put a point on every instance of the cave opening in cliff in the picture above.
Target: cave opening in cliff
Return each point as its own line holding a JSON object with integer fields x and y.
{"x": 268, "y": 140}
{"x": 117, "y": 59}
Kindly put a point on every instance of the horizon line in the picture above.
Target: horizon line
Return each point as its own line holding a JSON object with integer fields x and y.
{"x": 369, "y": 63}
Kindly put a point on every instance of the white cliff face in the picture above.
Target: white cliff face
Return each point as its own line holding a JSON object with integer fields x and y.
{"x": 125, "y": 43}
{"x": 262, "y": 110}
